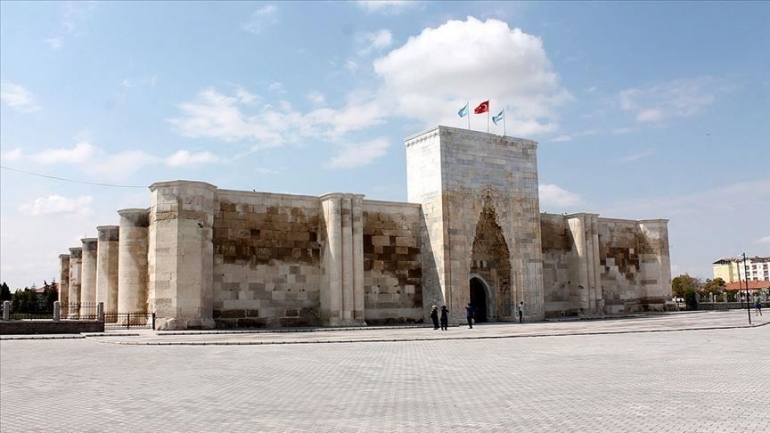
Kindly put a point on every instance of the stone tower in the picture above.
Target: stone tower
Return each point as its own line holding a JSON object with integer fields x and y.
{"x": 481, "y": 221}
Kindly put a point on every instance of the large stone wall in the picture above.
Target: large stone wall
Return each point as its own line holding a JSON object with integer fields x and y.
{"x": 201, "y": 257}
{"x": 630, "y": 260}
{"x": 392, "y": 263}
{"x": 561, "y": 295}
{"x": 636, "y": 269}
{"x": 267, "y": 260}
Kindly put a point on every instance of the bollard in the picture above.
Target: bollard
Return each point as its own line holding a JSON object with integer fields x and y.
{"x": 56, "y": 311}
{"x": 6, "y": 310}
{"x": 100, "y": 312}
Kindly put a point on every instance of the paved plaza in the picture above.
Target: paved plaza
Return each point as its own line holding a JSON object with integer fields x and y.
{"x": 690, "y": 372}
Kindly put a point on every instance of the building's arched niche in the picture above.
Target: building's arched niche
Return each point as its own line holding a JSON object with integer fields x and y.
{"x": 479, "y": 296}
{"x": 490, "y": 260}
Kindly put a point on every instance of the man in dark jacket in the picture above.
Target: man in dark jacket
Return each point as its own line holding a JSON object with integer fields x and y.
{"x": 469, "y": 315}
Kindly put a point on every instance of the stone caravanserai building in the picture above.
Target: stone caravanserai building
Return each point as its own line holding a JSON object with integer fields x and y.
{"x": 472, "y": 232}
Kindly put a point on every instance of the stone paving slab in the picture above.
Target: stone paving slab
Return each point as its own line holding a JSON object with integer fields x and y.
{"x": 583, "y": 379}
{"x": 640, "y": 323}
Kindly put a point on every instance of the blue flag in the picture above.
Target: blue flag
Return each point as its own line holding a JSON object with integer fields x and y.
{"x": 463, "y": 111}
{"x": 499, "y": 116}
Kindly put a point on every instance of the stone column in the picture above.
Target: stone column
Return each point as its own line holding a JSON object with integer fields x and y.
{"x": 347, "y": 260}
{"x": 132, "y": 260}
{"x": 181, "y": 254}
{"x": 578, "y": 271}
{"x": 359, "y": 313}
{"x": 64, "y": 280}
{"x": 76, "y": 260}
{"x": 88, "y": 277}
{"x": 107, "y": 267}
{"x": 331, "y": 299}
{"x": 596, "y": 283}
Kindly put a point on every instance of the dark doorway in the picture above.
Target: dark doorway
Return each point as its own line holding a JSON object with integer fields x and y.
{"x": 479, "y": 300}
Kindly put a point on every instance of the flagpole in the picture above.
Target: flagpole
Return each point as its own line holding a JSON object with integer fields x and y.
{"x": 504, "y": 124}
{"x": 468, "y": 104}
{"x": 488, "y": 110}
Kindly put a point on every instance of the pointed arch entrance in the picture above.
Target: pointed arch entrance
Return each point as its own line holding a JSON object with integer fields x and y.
{"x": 479, "y": 299}
{"x": 491, "y": 264}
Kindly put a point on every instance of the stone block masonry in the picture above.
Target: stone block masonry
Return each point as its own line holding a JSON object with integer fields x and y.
{"x": 204, "y": 257}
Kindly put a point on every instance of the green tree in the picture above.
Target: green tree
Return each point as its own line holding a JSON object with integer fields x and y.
{"x": 5, "y": 293}
{"x": 683, "y": 283}
{"x": 717, "y": 285}
{"x": 50, "y": 295}
{"x": 25, "y": 301}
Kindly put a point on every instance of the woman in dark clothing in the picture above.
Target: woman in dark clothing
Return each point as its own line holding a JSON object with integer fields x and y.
{"x": 444, "y": 318}
{"x": 434, "y": 317}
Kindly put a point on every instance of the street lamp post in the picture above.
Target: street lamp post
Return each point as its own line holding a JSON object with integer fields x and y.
{"x": 746, "y": 274}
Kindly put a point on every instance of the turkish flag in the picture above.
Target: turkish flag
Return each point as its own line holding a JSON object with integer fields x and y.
{"x": 482, "y": 108}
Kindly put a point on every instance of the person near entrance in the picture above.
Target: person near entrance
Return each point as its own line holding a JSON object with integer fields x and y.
{"x": 469, "y": 315}
{"x": 444, "y": 318}
{"x": 521, "y": 312}
{"x": 434, "y": 317}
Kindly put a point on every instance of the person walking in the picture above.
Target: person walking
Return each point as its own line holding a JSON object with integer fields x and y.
{"x": 757, "y": 306}
{"x": 469, "y": 315}
{"x": 434, "y": 317}
{"x": 521, "y": 312}
{"x": 444, "y": 318}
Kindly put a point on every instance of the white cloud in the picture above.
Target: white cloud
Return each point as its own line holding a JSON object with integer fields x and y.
{"x": 474, "y": 60}
{"x": 427, "y": 79}
{"x": 317, "y": 98}
{"x": 184, "y": 158}
{"x": 680, "y": 98}
{"x": 121, "y": 165}
{"x": 359, "y": 155}
{"x": 54, "y": 43}
{"x": 74, "y": 15}
{"x": 17, "y": 97}
{"x": 11, "y": 156}
{"x": 80, "y": 153}
{"x": 374, "y": 41}
{"x": 387, "y": 6}
{"x": 216, "y": 115}
{"x": 569, "y": 137}
{"x": 351, "y": 65}
{"x": 244, "y": 96}
{"x": 276, "y": 87}
{"x": 555, "y": 196}
{"x": 560, "y": 138}
{"x": 90, "y": 159}
{"x": 77, "y": 13}
{"x": 764, "y": 240}
{"x": 261, "y": 18}
{"x": 56, "y": 204}
{"x": 724, "y": 200}
{"x": 637, "y": 156}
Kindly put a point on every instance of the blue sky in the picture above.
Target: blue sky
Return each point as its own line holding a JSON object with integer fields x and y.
{"x": 642, "y": 110}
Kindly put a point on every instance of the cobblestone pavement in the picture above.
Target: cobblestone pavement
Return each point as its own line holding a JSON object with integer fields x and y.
{"x": 565, "y": 377}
